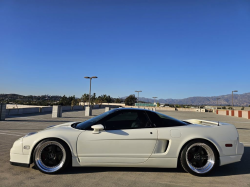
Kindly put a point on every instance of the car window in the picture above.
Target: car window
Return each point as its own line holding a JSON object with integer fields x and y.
{"x": 161, "y": 120}
{"x": 124, "y": 116}
{"x": 127, "y": 120}
{"x": 87, "y": 124}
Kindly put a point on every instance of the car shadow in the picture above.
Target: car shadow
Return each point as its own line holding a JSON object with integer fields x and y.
{"x": 78, "y": 170}
{"x": 238, "y": 168}
{"x": 244, "y": 128}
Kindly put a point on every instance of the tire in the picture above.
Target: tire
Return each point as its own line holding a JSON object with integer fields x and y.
{"x": 51, "y": 156}
{"x": 199, "y": 157}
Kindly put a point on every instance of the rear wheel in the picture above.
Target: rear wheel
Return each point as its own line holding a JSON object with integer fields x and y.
{"x": 51, "y": 156}
{"x": 199, "y": 157}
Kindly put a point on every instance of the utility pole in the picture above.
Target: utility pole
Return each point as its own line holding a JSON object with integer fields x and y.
{"x": 233, "y": 97}
{"x": 138, "y": 97}
{"x": 154, "y": 99}
{"x": 88, "y": 111}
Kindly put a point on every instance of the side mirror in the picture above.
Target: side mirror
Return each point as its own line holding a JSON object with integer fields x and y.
{"x": 97, "y": 128}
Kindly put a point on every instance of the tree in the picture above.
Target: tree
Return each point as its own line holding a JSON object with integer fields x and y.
{"x": 63, "y": 101}
{"x": 158, "y": 104}
{"x": 73, "y": 101}
{"x": 67, "y": 101}
{"x": 98, "y": 101}
{"x": 85, "y": 98}
{"x": 109, "y": 99}
{"x": 117, "y": 100}
{"x": 130, "y": 100}
{"x": 92, "y": 99}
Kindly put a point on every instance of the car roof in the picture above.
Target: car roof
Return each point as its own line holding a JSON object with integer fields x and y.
{"x": 136, "y": 109}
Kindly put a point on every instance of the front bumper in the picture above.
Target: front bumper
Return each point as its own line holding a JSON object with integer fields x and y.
{"x": 19, "y": 158}
{"x": 233, "y": 158}
{"x": 20, "y": 164}
{"x": 16, "y": 154}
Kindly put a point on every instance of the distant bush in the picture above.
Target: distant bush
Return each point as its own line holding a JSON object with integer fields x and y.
{"x": 130, "y": 100}
{"x": 224, "y": 107}
{"x": 242, "y": 108}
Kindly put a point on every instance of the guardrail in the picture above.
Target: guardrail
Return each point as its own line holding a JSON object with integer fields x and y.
{"x": 236, "y": 113}
{"x": 45, "y": 109}
{"x": 169, "y": 108}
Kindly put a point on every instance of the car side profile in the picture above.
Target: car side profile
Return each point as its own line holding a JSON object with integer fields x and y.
{"x": 131, "y": 138}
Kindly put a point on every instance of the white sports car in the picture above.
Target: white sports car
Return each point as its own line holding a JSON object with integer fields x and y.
{"x": 130, "y": 138}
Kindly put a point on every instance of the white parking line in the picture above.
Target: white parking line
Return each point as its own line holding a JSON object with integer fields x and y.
{"x": 19, "y": 117}
{"x": 11, "y": 134}
{"x": 3, "y": 131}
{"x": 234, "y": 122}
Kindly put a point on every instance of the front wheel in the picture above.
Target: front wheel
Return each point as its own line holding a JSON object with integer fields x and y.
{"x": 51, "y": 156}
{"x": 199, "y": 157}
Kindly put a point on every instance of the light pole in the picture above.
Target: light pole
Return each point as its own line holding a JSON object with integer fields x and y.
{"x": 138, "y": 97}
{"x": 90, "y": 78}
{"x": 233, "y": 97}
{"x": 154, "y": 99}
{"x": 217, "y": 101}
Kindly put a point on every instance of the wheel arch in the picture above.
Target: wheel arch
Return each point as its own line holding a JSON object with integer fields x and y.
{"x": 34, "y": 147}
{"x": 197, "y": 139}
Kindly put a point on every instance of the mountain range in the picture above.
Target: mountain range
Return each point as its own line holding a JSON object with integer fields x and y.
{"x": 238, "y": 100}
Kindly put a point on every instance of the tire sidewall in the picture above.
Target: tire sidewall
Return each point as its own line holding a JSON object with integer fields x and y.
{"x": 184, "y": 162}
{"x": 67, "y": 160}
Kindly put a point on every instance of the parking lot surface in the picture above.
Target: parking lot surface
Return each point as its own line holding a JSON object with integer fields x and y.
{"x": 236, "y": 174}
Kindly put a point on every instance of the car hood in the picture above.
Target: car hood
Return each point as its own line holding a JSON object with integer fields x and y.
{"x": 61, "y": 125}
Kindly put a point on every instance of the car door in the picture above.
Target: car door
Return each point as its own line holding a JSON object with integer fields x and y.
{"x": 170, "y": 132}
{"x": 127, "y": 138}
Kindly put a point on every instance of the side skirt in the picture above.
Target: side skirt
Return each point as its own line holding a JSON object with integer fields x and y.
{"x": 151, "y": 163}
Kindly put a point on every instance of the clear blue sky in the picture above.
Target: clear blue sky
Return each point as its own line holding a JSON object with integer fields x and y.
{"x": 166, "y": 48}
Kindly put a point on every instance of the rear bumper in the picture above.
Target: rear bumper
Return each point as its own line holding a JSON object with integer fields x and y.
{"x": 233, "y": 158}
{"x": 229, "y": 159}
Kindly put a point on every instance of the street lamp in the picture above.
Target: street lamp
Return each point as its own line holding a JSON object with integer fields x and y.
{"x": 154, "y": 99}
{"x": 233, "y": 97}
{"x": 217, "y": 101}
{"x": 138, "y": 97}
{"x": 90, "y": 78}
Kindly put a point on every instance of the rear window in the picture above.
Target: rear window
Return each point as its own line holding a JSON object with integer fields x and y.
{"x": 162, "y": 120}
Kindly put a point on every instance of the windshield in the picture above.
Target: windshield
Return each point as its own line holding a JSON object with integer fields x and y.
{"x": 92, "y": 121}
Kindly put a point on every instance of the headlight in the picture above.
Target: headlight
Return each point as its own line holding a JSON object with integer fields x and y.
{"x": 29, "y": 134}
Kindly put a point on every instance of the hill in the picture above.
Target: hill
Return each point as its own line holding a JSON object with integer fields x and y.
{"x": 239, "y": 100}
